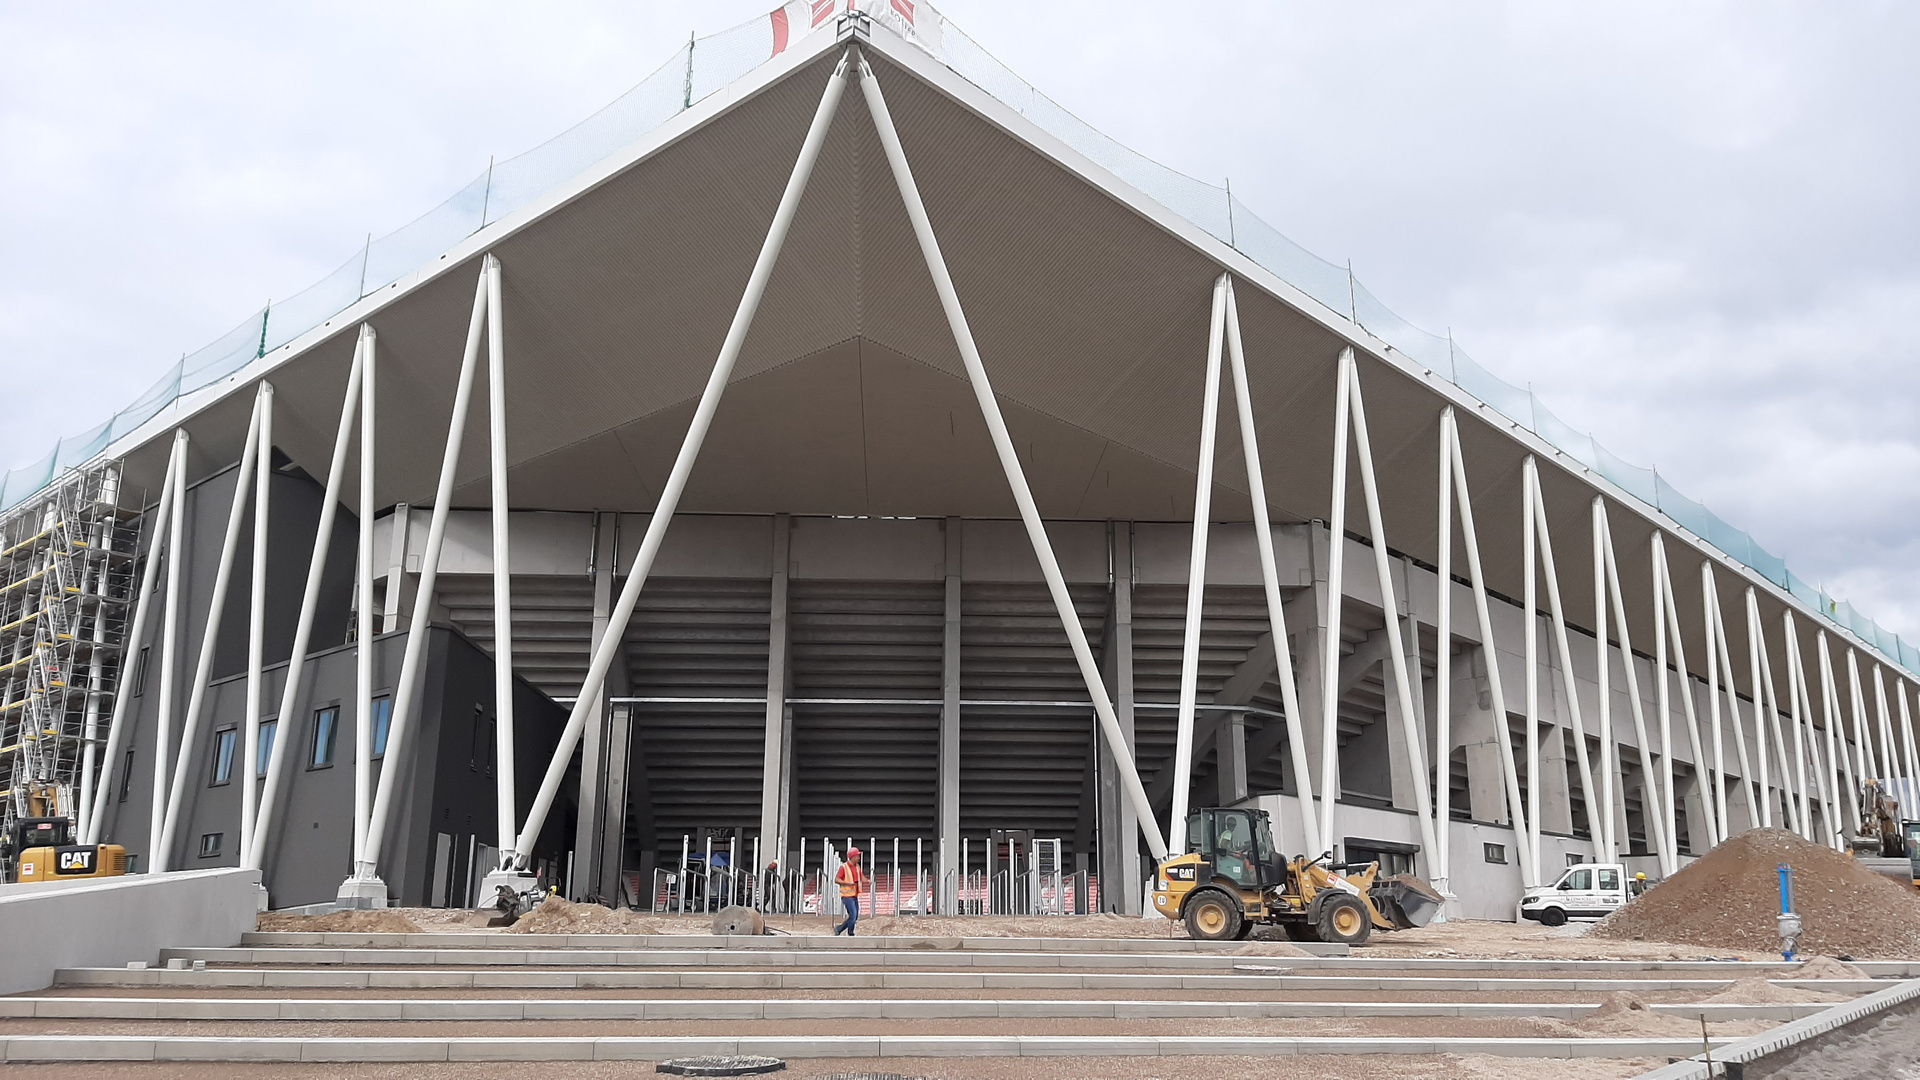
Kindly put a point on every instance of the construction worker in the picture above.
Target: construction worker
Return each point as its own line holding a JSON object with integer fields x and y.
{"x": 852, "y": 881}
{"x": 1638, "y": 886}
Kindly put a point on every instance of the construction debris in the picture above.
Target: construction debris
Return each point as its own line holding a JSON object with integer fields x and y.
{"x": 369, "y": 921}
{"x": 1728, "y": 900}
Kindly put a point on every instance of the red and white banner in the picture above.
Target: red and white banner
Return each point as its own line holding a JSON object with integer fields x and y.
{"x": 915, "y": 20}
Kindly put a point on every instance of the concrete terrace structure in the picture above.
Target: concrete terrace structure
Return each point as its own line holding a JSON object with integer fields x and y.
{"x": 612, "y": 591}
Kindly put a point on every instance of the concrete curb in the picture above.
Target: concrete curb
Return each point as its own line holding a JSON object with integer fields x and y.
{"x": 541, "y": 1009}
{"x": 1790, "y": 1034}
{"x": 70, "y": 1048}
{"x": 774, "y": 942}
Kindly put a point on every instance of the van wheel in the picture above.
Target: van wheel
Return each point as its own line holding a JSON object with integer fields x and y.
{"x": 1553, "y": 916}
{"x": 1212, "y": 915}
{"x": 1343, "y": 919}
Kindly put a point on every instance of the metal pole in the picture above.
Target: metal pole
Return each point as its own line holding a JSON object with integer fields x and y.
{"x": 1443, "y": 670}
{"x": 1796, "y": 809}
{"x": 1822, "y": 764}
{"x": 1669, "y": 809}
{"x": 1010, "y": 461}
{"x": 1869, "y": 768}
{"x": 1651, "y": 809}
{"x": 1530, "y": 606}
{"x": 1803, "y": 740}
{"x": 255, "y": 849}
{"x": 1889, "y": 756}
{"x": 1718, "y": 798}
{"x": 676, "y": 482}
{"x": 169, "y": 643}
{"x": 364, "y": 625}
{"x": 1558, "y": 613}
{"x": 257, "y": 625}
{"x": 503, "y": 773}
{"x": 1907, "y": 742}
{"x": 1330, "y": 633}
{"x": 1197, "y": 574}
{"x": 1602, "y": 666}
{"x": 123, "y": 689}
{"x": 1390, "y": 607}
{"x": 1836, "y": 737}
{"x": 1470, "y": 539}
{"x": 1718, "y": 628}
{"x": 399, "y": 723}
{"x": 1270, "y": 576}
{"x": 162, "y": 857}
{"x": 1686, "y": 686}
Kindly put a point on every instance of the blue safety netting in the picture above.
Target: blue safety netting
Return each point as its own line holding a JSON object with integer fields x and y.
{"x": 706, "y": 65}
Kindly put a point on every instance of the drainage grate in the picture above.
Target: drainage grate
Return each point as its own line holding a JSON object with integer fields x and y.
{"x": 869, "y": 1076}
{"x": 720, "y": 1066}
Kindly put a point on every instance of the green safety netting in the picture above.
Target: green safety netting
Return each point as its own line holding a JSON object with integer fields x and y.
{"x": 709, "y": 64}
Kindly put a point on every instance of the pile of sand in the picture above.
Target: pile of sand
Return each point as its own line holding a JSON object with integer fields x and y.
{"x": 373, "y": 921}
{"x": 1758, "y": 990}
{"x": 1826, "y": 967}
{"x": 1270, "y": 948}
{"x": 555, "y": 915}
{"x": 1730, "y": 898}
{"x": 1622, "y": 1015}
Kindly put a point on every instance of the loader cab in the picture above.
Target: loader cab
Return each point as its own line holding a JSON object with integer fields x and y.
{"x": 1238, "y": 844}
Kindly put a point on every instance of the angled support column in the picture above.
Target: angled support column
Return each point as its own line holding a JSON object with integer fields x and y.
{"x": 1336, "y": 585}
{"x": 1799, "y": 697}
{"x": 1672, "y": 612}
{"x": 1836, "y": 736}
{"x": 1009, "y": 460}
{"x": 1907, "y": 746}
{"x": 1717, "y": 648}
{"x": 1516, "y": 809}
{"x": 676, "y": 482}
{"x": 1869, "y": 767}
{"x": 254, "y": 850}
{"x": 1443, "y": 677}
{"x": 1764, "y": 693}
{"x": 1652, "y": 809}
{"x": 1889, "y": 752}
{"x": 1608, "y": 839}
{"x": 1197, "y": 574}
{"x": 364, "y": 887}
{"x": 257, "y": 624}
{"x": 118, "y": 724}
{"x": 1717, "y": 799}
{"x": 503, "y": 773}
{"x": 1558, "y": 613}
{"x": 162, "y": 857}
{"x": 1530, "y": 649}
{"x": 363, "y": 623}
{"x": 169, "y": 658}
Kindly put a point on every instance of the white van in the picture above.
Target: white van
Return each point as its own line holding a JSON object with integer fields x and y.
{"x": 1586, "y": 891}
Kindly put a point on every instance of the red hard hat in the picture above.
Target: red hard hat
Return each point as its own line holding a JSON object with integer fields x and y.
{"x": 853, "y": 853}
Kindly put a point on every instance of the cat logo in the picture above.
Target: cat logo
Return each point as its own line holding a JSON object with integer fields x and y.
{"x": 1181, "y": 873}
{"x": 78, "y": 860}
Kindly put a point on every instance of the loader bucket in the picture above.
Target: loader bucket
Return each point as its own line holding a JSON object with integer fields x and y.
{"x": 1407, "y": 901}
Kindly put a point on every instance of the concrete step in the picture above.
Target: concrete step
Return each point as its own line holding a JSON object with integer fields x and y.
{"x": 718, "y": 958}
{"x": 71, "y": 1048}
{"x": 1270, "y": 979}
{"x": 773, "y": 942}
{"x": 308, "y": 1009}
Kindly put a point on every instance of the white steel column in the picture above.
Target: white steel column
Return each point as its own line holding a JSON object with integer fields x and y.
{"x": 1717, "y": 627}
{"x": 1672, "y": 610}
{"x": 1530, "y": 609}
{"x": 419, "y": 628}
{"x": 1197, "y": 574}
{"x": 1330, "y": 638}
{"x": 1796, "y": 805}
{"x": 1390, "y": 607}
{"x": 1836, "y": 736}
{"x": 169, "y": 663}
{"x": 1443, "y": 675}
{"x": 1767, "y": 801}
{"x": 1820, "y": 795}
{"x": 1653, "y": 807}
{"x": 1708, "y": 604}
{"x": 1869, "y": 768}
{"x": 117, "y": 725}
{"x": 503, "y": 773}
{"x": 1516, "y": 810}
{"x": 257, "y": 624}
{"x": 1907, "y": 744}
{"x": 364, "y": 626}
{"x": 1889, "y": 755}
{"x": 1009, "y": 460}
{"x": 1603, "y": 664}
{"x": 683, "y": 464}
{"x": 1669, "y": 803}
{"x": 1269, "y": 573}
{"x": 253, "y": 849}
{"x": 162, "y": 856}
{"x": 1559, "y": 616}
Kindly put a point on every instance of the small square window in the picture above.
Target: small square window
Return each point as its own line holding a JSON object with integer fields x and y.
{"x": 263, "y": 755}
{"x": 225, "y": 741}
{"x": 326, "y": 726}
{"x": 382, "y": 717}
{"x": 210, "y": 844}
{"x": 1496, "y": 853}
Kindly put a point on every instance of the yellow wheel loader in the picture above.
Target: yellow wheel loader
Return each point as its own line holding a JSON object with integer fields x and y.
{"x": 1230, "y": 880}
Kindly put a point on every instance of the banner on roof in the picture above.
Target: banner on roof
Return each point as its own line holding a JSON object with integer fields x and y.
{"x": 915, "y": 20}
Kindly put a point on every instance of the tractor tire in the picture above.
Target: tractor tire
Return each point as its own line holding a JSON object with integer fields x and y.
{"x": 1247, "y": 928}
{"x": 1343, "y": 920}
{"x": 1212, "y": 915}
{"x": 1298, "y": 931}
{"x": 1553, "y": 916}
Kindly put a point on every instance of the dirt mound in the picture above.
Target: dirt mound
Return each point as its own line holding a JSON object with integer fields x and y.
{"x": 555, "y": 915}
{"x": 1826, "y": 967}
{"x": 1622, "y": 1015}
{"x": 1757, "y": 990}
{"x": 1270, "y": 948}
{"x": 338, "y": 922}
{"x": 1730, "y": 898}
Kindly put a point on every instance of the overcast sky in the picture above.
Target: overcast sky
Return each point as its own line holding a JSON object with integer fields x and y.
{"x": 1692, "y": 228}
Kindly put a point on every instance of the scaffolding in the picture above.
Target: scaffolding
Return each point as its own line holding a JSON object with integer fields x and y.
{"x": 66, "y": 585}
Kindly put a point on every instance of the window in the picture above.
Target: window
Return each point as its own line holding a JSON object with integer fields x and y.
{"x": 382, "y": 720}
{"x": 1496, "y": 853}
{"x": 326, "y": 725}
{"x": 1578, "y": 881}
{"x": 473, "y": 745}
{"x": 225, "y": 741}
{"x": 263, "y": 754}
{"x": 140, "y": 671}
{"x": 1609, "y": 880}
{"x": 1574, "y": 858}
{"x": 126, "y": 783}
{"x": 210, "y": 844}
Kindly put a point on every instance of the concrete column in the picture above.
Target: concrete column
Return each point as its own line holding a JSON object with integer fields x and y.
{"x": 1230, "y": 762}
{"x": 1477, "y": 730}
{"x": 596, "y": 807}
{"x": 948, "y": 782}
{"x": 1311, "y": 640}
{"x": 613, "y": 836}
{"x": 1399, "y": 758}
{"x": 396, "y": 568}
{"x": 1693, "y": 798}
{"x": 1120, "y": 870}
{"x": 775, "y": 773}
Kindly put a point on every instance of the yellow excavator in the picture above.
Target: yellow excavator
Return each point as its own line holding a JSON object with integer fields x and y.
{"x": 1231, "y": 880}
{"x": 44, "y": 848}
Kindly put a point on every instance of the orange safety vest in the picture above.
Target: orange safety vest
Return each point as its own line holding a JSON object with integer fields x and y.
{"x": 850, "y": 879}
